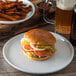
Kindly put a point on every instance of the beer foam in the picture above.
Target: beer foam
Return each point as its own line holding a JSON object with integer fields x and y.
{"x": 66, "y": 4}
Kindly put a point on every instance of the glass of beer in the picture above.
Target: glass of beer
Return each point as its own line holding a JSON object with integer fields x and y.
{"x": 63, "y": 16}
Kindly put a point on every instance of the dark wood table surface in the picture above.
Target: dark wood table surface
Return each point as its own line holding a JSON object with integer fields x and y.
{"x": 7, "y": 70}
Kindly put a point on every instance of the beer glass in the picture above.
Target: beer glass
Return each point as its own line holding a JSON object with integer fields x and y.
{"x": 63, "y": 16}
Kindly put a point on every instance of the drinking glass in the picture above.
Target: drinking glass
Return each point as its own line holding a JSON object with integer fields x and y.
{"x": 49, "y": 13}
{"x": 63, "y": 16}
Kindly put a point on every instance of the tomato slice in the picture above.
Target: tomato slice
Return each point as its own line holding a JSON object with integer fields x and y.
{"x": 27, "y": 48}
{"x": 43, "y": 53}
{"x": 37, "y": 52}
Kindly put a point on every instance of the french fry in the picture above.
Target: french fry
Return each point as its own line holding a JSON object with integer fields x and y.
{"x": 20, "y": 13}
{"x": 15, "y": 4}
{"x": 17, "y": 17}
{"x": 12, "y": 10}
{"x": 7, "y": 17}
{"x": 17, "y": 13}
{"x": 27, "y": 9}
{"x": 3, "y": 19}
{"x": 10, "y": 5}
{"x": 9, "y": 2}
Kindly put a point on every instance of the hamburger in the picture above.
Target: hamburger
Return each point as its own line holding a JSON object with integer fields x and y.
{"x": 38, "y": 44}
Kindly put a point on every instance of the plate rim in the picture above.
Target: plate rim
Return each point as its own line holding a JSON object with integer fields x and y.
{"x": 17, "y": 68}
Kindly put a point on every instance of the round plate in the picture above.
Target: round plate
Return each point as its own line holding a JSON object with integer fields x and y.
{"x": 13, "y": 54}
{"x": 28, "y": 16}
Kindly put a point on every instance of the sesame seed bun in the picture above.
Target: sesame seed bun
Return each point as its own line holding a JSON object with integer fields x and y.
{"x": 40, "y": 37}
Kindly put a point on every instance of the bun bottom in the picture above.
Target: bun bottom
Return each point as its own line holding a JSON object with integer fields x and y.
{"x": 38, "y": 59}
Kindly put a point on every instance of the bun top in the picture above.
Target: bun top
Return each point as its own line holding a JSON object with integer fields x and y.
{"x": 40, "y": 37}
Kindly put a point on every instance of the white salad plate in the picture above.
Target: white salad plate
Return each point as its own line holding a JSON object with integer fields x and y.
{"x": 63, "y": 56}
{"x": 28, "y": 15}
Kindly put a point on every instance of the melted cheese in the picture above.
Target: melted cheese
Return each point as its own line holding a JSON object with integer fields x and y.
{"x": 24, "y": 42}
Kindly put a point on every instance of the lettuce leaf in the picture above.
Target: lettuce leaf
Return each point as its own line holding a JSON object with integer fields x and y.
{"x": 52, "y": 47}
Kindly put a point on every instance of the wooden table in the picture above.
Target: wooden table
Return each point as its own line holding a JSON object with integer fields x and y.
{"x": 7, "y": 70}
